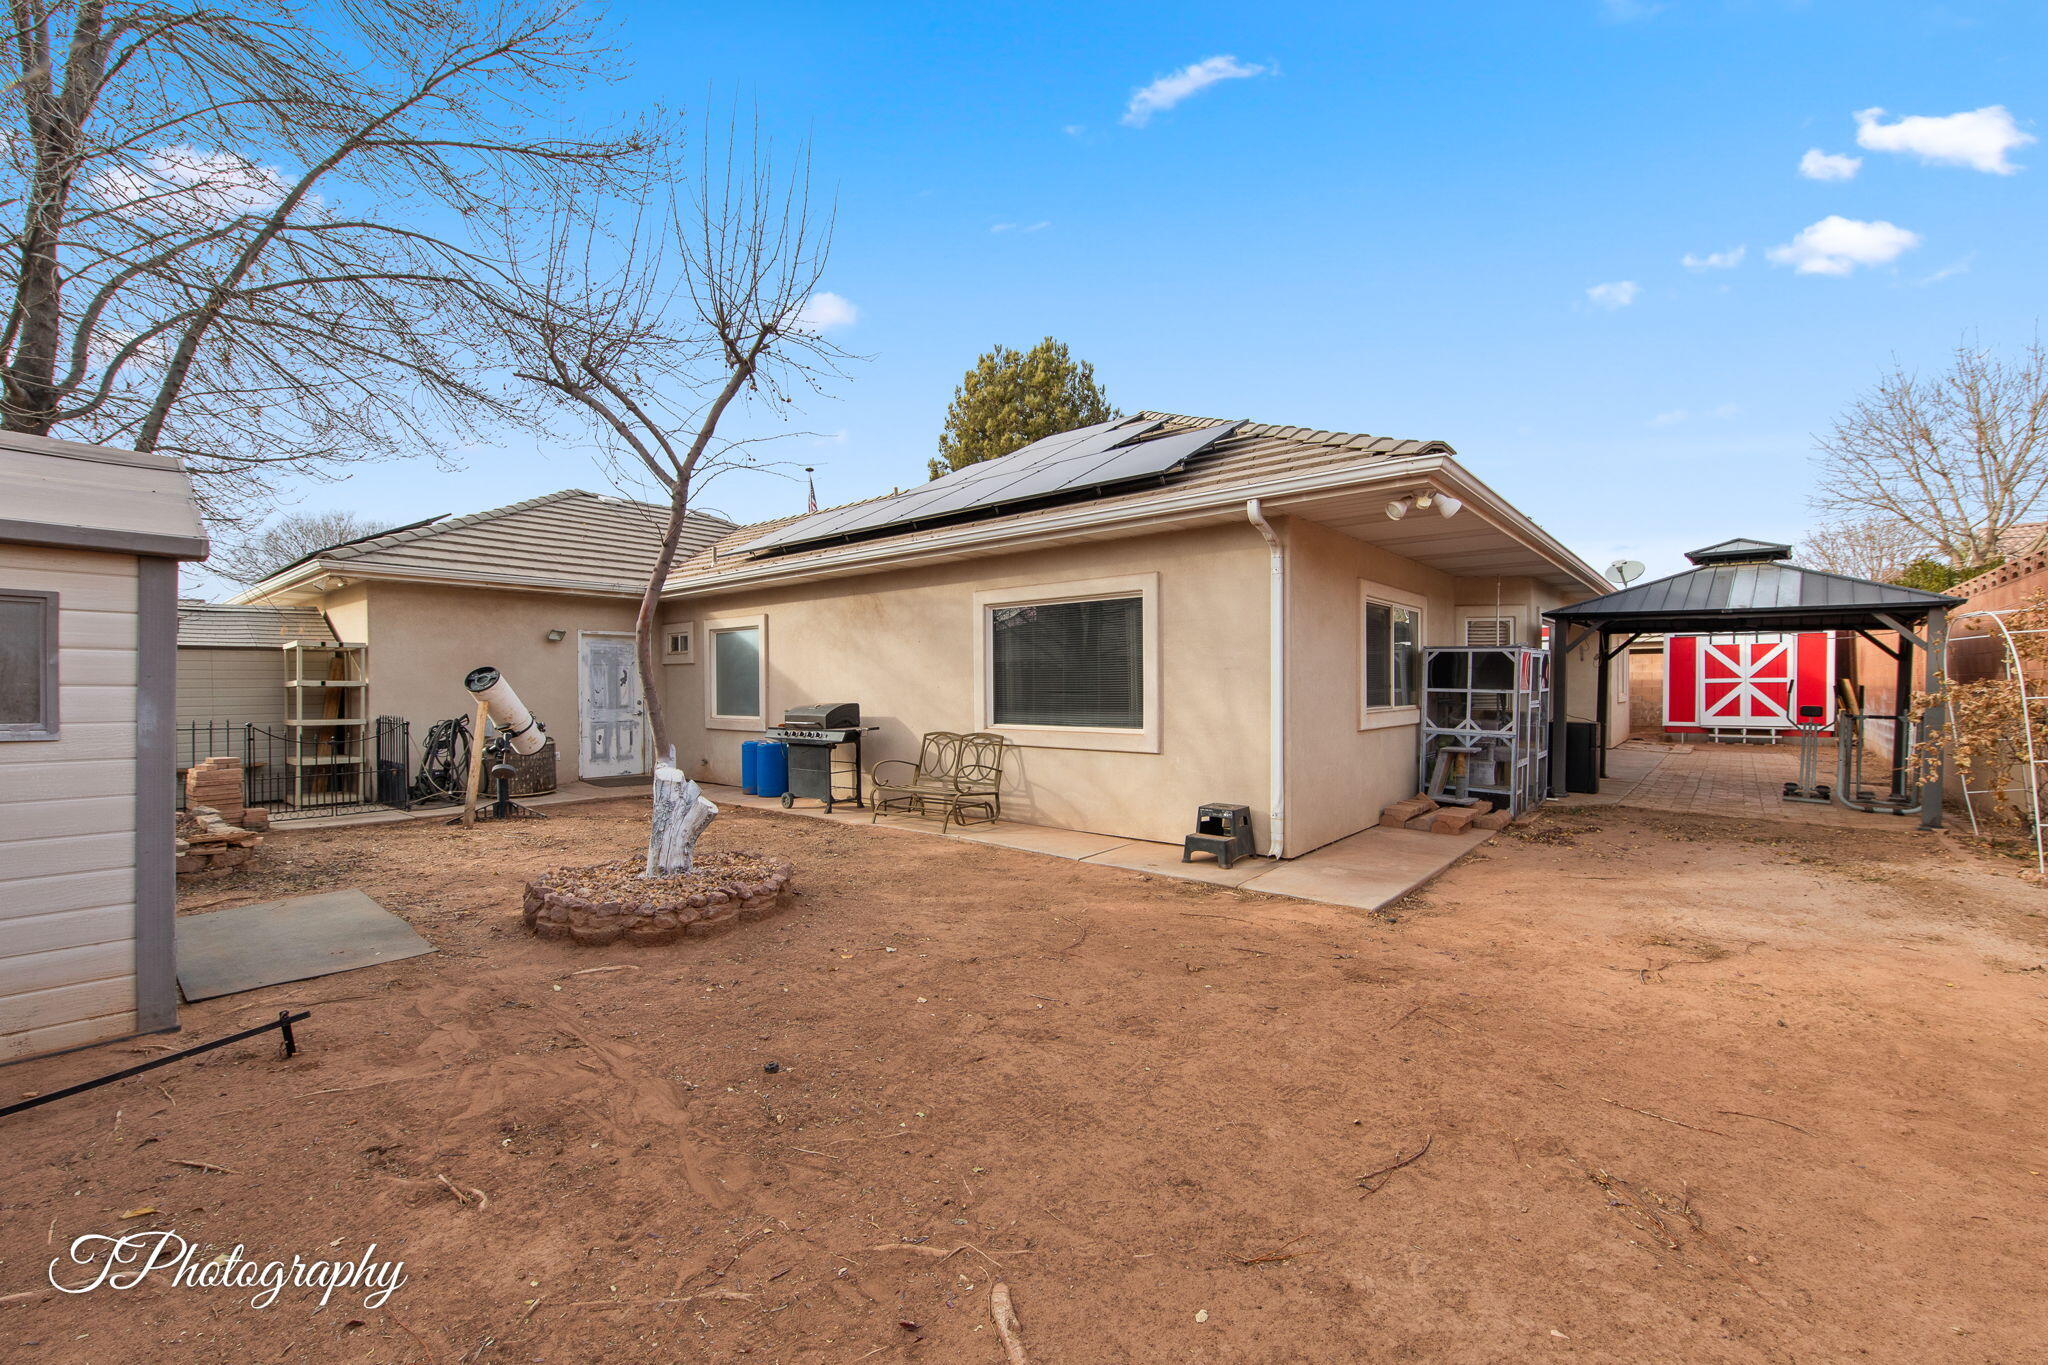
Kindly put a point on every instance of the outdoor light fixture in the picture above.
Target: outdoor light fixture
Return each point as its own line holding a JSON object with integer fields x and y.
{"x": 556, "y": 637}
{"x": 1444, "y": 503}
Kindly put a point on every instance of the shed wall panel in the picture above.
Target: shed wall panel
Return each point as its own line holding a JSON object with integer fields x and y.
{"x": 67, "y": 842}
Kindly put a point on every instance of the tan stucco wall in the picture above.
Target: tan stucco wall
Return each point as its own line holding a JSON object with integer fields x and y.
{"x": 425, "y": 639}
{"x": 902, "y": 644}
{"x": 1339, "y": 776}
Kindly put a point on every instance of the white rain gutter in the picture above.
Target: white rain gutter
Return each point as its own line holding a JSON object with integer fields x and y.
{"x": 1276, "y": 655}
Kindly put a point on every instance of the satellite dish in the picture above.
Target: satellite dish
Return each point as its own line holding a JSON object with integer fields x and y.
{"x": 1625, "y": 571}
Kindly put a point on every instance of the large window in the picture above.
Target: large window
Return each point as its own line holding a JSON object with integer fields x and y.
{"x": 28, "y": 665}
{"x": 1393, "y": 654}
{"x": 738, "y": 661}
{"x": 1078, "y": 664}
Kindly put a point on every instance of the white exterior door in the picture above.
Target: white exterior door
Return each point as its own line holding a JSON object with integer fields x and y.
{"x": 612, "y": 714}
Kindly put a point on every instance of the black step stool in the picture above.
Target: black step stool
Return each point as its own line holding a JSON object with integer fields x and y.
{"x": 1225, "y": 831}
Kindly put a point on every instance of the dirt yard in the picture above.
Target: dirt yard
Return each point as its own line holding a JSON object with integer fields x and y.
{"x": 1621, "y": 1087}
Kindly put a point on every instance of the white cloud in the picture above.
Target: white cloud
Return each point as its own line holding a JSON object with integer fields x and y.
{"x": 1021, "y": 227}
{"x": 1950, "y": 270}
{"x": 823, "y": 311}
{"x": 1619, "y": 294}
{"x": 190, "y": 186}
{"x": 1715, "y": 260}
{"x": 1623, "y": 11}
{"x": 1820, "y": 165}
{"x": 1074, "y": 129}
{"x": 1169, "y": 90}
{"x": 1978, "y": 138}
{"x": 1678, "y": 415}
{"x": 1837, "y": 245}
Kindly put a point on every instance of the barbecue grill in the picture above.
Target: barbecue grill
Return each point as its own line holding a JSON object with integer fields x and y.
{"x": 816, "y": 734}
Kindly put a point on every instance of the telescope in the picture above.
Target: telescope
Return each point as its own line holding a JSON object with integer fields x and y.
{"x": 517, "y": 732}
{"x": 515, "y": 723}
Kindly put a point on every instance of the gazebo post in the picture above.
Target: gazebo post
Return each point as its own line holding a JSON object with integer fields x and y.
{"x": 1560, "y": 632}
{"x": 1902, "y": 724}
{"x": 1600, "y": 707}
{"x": 1934, "y": 778}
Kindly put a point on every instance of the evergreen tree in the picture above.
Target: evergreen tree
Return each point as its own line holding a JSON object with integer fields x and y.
{"x": 1012, "y": 398}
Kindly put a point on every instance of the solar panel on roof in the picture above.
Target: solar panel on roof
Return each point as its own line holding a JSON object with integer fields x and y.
{"x": 1070, "y": 461}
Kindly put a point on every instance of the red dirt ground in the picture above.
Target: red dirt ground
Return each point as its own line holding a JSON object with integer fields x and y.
{"x": 1691, "y": 1091}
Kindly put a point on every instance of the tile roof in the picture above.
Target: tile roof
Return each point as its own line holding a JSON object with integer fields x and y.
{"x": 2021, "y": 537}
{"x": 1255, "y": 453}
{"x": 571, "y": 539}
{"x": 220, "y": 625}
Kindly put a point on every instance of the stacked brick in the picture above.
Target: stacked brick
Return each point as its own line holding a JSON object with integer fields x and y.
{"x": 1423, "y": 813}
{"x": 216, "y": 831}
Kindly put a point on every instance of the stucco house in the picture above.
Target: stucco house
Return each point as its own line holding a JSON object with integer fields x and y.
{"x": 90, "y": 541}
{"x": 546, "y": 590}
{"x": 1234, "y": 613}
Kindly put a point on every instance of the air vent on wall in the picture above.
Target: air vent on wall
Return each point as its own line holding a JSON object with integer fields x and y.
{"x": 1495, "y": 631}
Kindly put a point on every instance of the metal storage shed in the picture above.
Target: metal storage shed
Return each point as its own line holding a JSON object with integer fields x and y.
{"x": 89, "y": 547}
{"x": 1745, "y": 585}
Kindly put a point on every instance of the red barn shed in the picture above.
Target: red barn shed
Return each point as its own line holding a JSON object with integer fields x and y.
{"x": 1748, "y": 682}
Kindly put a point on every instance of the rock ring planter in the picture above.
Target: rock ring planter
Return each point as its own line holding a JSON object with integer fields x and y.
{"x": 610, "y": 902}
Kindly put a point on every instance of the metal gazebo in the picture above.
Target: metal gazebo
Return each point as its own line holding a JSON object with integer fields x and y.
{"x": 1741, "y": 586}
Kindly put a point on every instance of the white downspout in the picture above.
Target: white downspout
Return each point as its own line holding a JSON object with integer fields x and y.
{"x": 1276, "y": 653}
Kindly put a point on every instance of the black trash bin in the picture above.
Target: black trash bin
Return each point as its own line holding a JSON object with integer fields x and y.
{"x": 1581, "y": 756}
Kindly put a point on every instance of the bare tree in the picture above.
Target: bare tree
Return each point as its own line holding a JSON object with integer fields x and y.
{"x": 1960, "y": 458}
{"x": 653, "y": 334}
{"x": 1877, "y": 548}
{"x": 249, "y": 236}
{"x": 253, "y": 556}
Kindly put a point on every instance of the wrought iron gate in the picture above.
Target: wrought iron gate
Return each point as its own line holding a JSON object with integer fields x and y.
{"x": 316, "y": 769}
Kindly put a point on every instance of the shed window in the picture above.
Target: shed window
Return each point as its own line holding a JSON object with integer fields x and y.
{"x": 1393, "y": 652}
{"x": 1079, "y": 664}
{"x": 736, "y": 671}
{"x": 28, "y": 665}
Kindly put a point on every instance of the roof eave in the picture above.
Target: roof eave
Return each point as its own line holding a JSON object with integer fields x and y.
{"x": 1100, "y": 521}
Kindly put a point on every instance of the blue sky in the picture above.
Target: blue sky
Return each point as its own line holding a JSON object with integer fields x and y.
{"x": 1387, "y": 219}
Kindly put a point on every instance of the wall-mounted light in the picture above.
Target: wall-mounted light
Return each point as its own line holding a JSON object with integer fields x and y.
{"x": 1444, "y": 503}
{"x": 556, "y": 637}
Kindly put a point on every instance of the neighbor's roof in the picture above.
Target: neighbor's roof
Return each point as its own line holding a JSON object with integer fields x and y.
{"x": 56, "y": 492}
{"x": 2020, "y": 538}
{"x": 1751, "y": 594}
{"x": 1254, "y": 454}
{"x": 571, "y": 540}
{"x": 225, "y": 625}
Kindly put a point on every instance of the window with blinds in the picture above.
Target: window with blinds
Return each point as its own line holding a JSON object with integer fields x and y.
{"x": 1393, "y": 654}
{"x": 1069, "y": 663}
{"x": 736, "y": 671}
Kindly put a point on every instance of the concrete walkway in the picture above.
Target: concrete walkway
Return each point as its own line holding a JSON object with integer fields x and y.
{"x": 1738, "y": 781}
{"x": 1371, "y": 869}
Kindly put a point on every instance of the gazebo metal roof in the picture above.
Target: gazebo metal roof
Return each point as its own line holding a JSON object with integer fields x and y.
{"x": 1741, "y": 585}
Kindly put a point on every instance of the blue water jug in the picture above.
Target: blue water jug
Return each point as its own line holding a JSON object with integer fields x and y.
{"x": 771, "y": 768}
{"x": 750, "y": 766}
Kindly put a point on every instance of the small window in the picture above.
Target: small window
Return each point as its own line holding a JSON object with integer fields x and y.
{"x": 677, "y": 642}
{"x": 1393, "y": 654}
{"x": 1078, "y": 664}
{"x": 736, "y": 671}
{"x": 28, "y": 665}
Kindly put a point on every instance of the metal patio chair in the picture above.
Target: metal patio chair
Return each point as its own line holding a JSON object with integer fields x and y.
{"x": 961, "y": 775}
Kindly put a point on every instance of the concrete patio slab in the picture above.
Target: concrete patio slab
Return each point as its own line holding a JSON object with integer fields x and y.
{"x": 1370, "y": 869}
{"x": 1063, "y": 843}
{"x": 1163, "y": 860}
{"x": 225, "y": 952}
